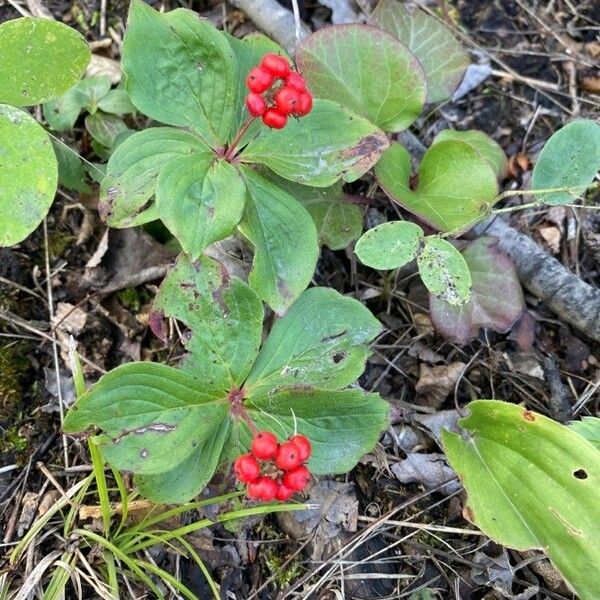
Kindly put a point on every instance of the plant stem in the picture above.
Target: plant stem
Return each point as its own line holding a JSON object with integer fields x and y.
{"x": 238, "y": 137}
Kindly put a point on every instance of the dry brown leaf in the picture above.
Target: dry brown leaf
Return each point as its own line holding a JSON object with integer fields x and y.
{"x": 435, "y": 383}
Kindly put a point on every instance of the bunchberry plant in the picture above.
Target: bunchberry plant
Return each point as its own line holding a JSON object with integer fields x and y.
{"x": 40, "y": 59}
{"x": 174, "y": 427}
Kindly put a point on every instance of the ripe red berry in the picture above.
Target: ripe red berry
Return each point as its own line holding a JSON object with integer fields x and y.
{"x": 303, "y": 445}
{"x": 259, "y": 80}
{"x": 264, "y": 445}
{"x": 246, "y": 468}
{"x": 297, "y": 478}
{"x": 284, "y": 493}
{"x": 263, "y": 488}
{"x": 305, "y": 104}
{"x": 296, "y": 81}
{"x": 288, "y": 456}
{"x": 274, "y": 119}
{"x": 277, "y": 65}
{"x": 287, "y": 100}
{"x": 255, "y": 104}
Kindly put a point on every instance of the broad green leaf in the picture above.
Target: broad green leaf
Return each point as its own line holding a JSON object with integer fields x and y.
{"x": 132, "y": 171}
{"x": 496, "y": 300}
{"x": 105, "y": 128}
{"x": 482, "y": 143}
{"x": 28, "y": 174}
{"x": 444, "y": 271}
{"x": 224, "y": 317}
{"x": 571, "y": 159}
{"x": 589, "y": 428}
{"x": 338, "y": 222}
{"x": 532, "y": 483}
{"x": 440, "y": 54}
{"x": 116, "y": 102}
{"x": 200, "y": 200}
{"x": 366, "y": 70}
{"x": 328, "y": 144}
{"x": 151, "y": 416}
{"x": 285, "y": 242}
{"x": 321, "y": 341}
{"x": 186, "y": 479}
{"x": 71, "y": 172}
{"x": 249, "y": 52}
{"x": 390, "y": 245}
{"x": 180, "y": 71}
{"x": 456, "y": 186}
{"x": 41, "y": 59}
{"x": 341, "y": 425}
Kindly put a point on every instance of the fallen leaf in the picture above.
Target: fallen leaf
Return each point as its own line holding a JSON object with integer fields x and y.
{"x": 428, "y": 470}
{"x": 435, "y": 383}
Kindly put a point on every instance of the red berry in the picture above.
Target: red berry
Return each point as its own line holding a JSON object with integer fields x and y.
{"x": 296, "y": 81}
{"x": 284, "y": 493}
{"x": 288, "y": 456}
{"x": 287, "y": 100}
{"x": 259, "y": 80}
{"x": 263, "y": 488}
{"x": 303, "y": 445}
{"x": 305, "y": 104}
{"x": 246, "y": 468}
{"x": 255, "y": 104}
{"x": 264, "y": 444}
{"x": 275, "y": 64}
{"x": 297, "y": 478}
{"x": 273, "y": 118}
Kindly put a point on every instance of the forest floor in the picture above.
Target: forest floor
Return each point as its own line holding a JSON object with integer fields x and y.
{"x": 394, "y": 525}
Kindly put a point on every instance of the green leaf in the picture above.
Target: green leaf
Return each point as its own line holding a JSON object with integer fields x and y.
{"x": 321, "y": 341}
{"x": 41, "y": 59}
{"x": 444, "y": 271}
{"x": 482, "y": 143}
{"x": 151, "y": 416}
{"x": 180, "y": 71}
{"x": 496, "y": 300}
{"x": 570, "y": 158}
{"x": 285, "y": 242}
{"x": 390, "y": 245}
{"x": 71, "y": 172}
{"x": 589, "y": 428}
{"x": 224, "y": 317}
{"x": 104, "y": 128}
{"x": 328, "y": 144}
{"x": 342, "y": 425}
{"x": 365, "y": 70}
{"x": 133, "y": 169}
{"x": 249, "y": 52}
{"x": 440, "y": 54}
{"x": 116, "y": 102}
{"x": 456, "y": 186}
{"x": 338, "y": 222}
{"x": 186, "y": 479}
{"x": 28, "y": 174}
{"x": 532, "y": 483}
{"x": 200, "y": 200}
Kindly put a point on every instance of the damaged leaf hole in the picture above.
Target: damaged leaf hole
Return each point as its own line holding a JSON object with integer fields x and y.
{"x": 580, "y": 474}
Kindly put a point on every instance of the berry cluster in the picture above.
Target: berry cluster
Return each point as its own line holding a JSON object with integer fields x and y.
{"x": 276, "y": 92}
{"x": 274, "y": 471}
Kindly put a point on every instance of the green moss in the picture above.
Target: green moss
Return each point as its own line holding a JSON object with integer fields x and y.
{"x": 282, "y": 575}
{"x": 133, "y": 298}
{"x": 13, "y": 367}
{"x": 13, "y": 441}
{"x": 58, "y": 242}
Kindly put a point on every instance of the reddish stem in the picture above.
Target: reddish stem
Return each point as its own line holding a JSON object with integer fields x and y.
{"x": 236, "y": 398}
{"x": 238, "y": 137}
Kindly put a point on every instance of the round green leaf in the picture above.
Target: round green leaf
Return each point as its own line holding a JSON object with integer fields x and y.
{"x": 28, "y": 174}
{"x": 442, "y": 57}
{"x": 570, "y": 158}
{"x": 41, "y": 59}
{"x": 456, "y": 185}
{"x": 200, "y": 200}
{"x": 389, "y": 245}
{"x": 482, "y": 143}
{"x": 444, "y": 271}
{"x": 366, "y": 70}
{"x": 532, "y": 483}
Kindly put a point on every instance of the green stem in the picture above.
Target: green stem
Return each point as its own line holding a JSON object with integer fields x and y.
{"x": 238, "y": 138}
